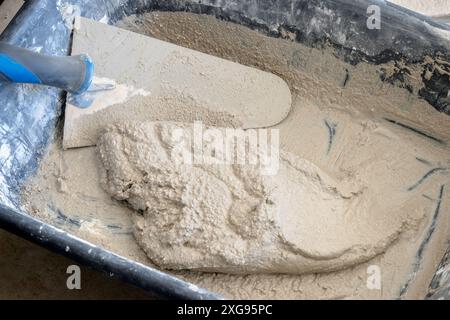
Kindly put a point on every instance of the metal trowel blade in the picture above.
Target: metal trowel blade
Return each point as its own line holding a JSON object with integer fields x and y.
{"x": 149, "y": 68}
{"x": 87, "y": 98}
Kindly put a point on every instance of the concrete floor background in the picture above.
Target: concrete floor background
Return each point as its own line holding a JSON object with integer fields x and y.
{"x": 30, "y": 272}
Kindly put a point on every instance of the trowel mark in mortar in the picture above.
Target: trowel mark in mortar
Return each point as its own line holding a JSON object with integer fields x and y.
{"x": 346, "y": 78}
{"x": 115, "y": 229}
{"x": 424, "y": 161}
{"x": 428, "y": 197}
{"x": 419, "y": 254}
{"x": 62, "y": 217}
{"x": 331, "y": 133}
{"x": 405, "y": 126}
{"x": 426, "y": 176}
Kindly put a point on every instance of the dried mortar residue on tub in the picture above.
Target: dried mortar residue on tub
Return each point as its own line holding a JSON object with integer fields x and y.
{"x": 366, "y": 135}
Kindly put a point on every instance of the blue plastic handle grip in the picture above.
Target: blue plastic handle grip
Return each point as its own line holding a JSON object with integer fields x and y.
{"x": 16, "y": 72}
{"x": 71, "y": 73}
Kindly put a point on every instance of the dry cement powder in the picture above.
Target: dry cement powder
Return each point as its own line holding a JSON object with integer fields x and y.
{"x": 358, "y": 191}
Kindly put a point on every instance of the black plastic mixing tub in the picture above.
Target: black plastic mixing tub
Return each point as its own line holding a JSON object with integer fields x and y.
{"x": 29, "y": 115}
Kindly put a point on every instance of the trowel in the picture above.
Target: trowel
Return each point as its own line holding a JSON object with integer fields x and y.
{"x": 137, "y": 78}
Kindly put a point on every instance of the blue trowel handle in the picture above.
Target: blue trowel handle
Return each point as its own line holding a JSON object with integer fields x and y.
{"x": 73, "y": 74}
